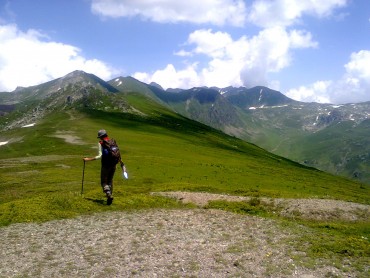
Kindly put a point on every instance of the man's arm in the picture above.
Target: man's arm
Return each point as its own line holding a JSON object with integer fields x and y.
{"x": 95, "y": 157}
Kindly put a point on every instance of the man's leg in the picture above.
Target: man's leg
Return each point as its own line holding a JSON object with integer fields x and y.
{"x": 104, "y": 177}
{"x": 106, "y": 183}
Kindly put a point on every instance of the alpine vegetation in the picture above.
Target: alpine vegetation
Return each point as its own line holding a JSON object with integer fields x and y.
{"x": 197, "y": 195}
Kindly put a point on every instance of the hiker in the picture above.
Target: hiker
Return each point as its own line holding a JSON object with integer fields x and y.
{"x": 110, "y": 157}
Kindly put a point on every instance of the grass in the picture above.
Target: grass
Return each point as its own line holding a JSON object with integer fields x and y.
{"x": 163, "y": 152}
{"x": 42, "y": 175}
{"x": 341, "y": 148}
{"x": 318, "y": 243}
{"x": 344, "y": 245}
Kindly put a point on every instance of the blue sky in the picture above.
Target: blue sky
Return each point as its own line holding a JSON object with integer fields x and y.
{"x": 309, "y": 50}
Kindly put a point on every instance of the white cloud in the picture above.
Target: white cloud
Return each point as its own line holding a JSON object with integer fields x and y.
{"x": 359, "y": 65}
{"x": 234, "y": 62}
{"x": 218, "y": 12}
{"x": 317, "y": 92}
{"x": 215, "y": 58}
{"x": 209, "y": 43}
{"x": 266, "y": 13}
{"x": 169, "y": 77}
{"x": 28, "y": 58}
{"x": 183, "y": 53}
{"x": 270, "y": 51}
{"x": 263, "y": 13}
{"x": 354, "y": 86}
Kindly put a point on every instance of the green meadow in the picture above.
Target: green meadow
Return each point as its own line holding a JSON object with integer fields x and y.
{"x": 41, "y": 170}
{"x": 163, "y": 151}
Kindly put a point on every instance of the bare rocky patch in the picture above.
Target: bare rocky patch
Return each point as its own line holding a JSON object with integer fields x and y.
{"x": 172, "y": 243}
{"x": 38, "y": 159}
{"x": 319, "y": 209}
{"x": 69, "y": 137}
{"x": 154, "y": 243}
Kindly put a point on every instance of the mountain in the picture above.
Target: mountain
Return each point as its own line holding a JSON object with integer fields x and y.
{"x": 309, "y": 133}
{"x": 329, "y": 137}
{"x": 332, "y": 138}
{"x": 36, "y": 102}
{"x": 255, "y": 97}
{"x": 83, "y": 103}
{"x": 39, "y": 92}
{"x": 202, "y": 104}
{"x": 41, "y": 169}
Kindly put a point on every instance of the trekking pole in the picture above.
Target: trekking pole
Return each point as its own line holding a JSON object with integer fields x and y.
{"x": 83, "y": 176}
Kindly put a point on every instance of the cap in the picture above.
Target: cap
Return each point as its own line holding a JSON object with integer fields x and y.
{"x": 101, "y": 133}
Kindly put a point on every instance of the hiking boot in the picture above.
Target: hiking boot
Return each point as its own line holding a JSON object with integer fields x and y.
{"x": 109, "y": 200}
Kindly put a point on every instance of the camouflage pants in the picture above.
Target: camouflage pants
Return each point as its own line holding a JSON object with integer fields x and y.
{"x": 106, "y": 178}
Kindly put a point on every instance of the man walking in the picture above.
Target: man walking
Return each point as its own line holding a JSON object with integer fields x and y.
{"x": 110, "y": 156}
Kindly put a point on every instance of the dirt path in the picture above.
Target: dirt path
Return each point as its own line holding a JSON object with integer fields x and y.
{"x": 320, "y": 209}
{"x": 176, "y": 243}
{"x": 158, "y": 243}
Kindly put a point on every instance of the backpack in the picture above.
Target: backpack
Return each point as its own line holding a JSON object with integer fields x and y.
{"x": 111, "y": 151}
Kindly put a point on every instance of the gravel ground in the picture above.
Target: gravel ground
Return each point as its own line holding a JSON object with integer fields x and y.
{"x": 319, "y": 209}
{"x": 154, "y": 243}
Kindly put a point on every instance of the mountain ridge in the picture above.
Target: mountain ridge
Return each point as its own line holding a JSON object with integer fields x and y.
{"x": 258, "y": 115}
{"x": 164, "y": 151}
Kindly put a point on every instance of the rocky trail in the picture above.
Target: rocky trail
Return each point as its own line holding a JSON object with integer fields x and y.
{"x": 167, "y": 243}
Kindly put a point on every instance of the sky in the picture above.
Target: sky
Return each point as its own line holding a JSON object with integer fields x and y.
{"x": 312, "y": 51}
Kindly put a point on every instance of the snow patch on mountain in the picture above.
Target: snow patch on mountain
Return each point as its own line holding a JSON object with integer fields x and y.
{"x": 260, "y": 98}
{"x": 119, "y": 81}
{"x": 29, "y": 125}
{"x": 268, "y": 107}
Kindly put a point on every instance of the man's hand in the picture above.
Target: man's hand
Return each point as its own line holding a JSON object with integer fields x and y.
{"x": 88, "y": 158}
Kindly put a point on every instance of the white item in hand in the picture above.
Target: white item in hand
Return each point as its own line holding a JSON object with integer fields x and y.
{"x": 125, "y": 175}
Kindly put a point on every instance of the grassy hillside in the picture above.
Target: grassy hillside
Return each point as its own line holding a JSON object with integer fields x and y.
{"x": 41, "y": 170}
{"x": 345, "y": 149}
